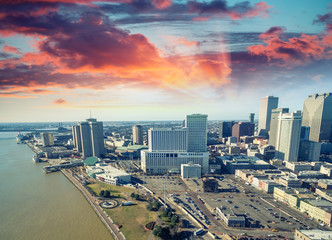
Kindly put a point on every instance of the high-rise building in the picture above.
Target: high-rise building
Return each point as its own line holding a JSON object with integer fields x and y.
{"x": 225, "y": 129}
{"x": 252, "y": 117}
{"x": 137, "y": 135}
{"x": 274, "y": 124}
{"x": 47, "y": 139}
{"x": 168, "y": 140}
{"x": 288, "y": 136}
{"x": 243, "y": 129}
{"x": 267, "y": 104}
{"x": 169, "y": 148}
{"x": 89, "y": 138}
{"x": 305, "y": 133}
{"x": 317, "y": 114}
{"x": 77, "y": 138}
{"x": 309, "y": 151}
{"x": 197, "y": 132}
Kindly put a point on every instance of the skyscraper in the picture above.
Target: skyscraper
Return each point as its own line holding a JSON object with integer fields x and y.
{"x": 169, "y": 148}
{"x": 317, "y": 114}
{"x": 197, "y": 132}
{"x": 225, "y": 129}
{"x": 47, "y": 138}
{"x": 267, "y": 104}
{"x": 137, "y": 135}
{"x": 288, "y": 136}
{"x": 252, "y": 117}
{"x": 243, "y": 129}
{"x": 88, "y": 138}
{"x": 274, "y": 124}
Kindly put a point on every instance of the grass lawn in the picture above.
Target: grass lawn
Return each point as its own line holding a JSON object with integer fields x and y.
{"x": 133, "y": 219}
{"x": 114, "y": 190}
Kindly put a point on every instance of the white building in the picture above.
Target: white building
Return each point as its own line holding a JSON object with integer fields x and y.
{"x": 169, "y": 148}
{"x": 288, "y": 136}
{"x": 113, "y": 176}
{"x": 267, "y": 104}
{"x": 168, "y": 140}
{"x": 191, "y": 170}
{"x": 197, "y": 132}
{"x": 47, "y": 138}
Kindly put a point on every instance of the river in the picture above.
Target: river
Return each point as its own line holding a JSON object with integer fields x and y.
{"x": 35, "y": 205}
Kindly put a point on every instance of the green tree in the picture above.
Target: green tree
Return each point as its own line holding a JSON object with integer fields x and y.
{"x": 101, "y": 193}
{"x": 137, "y": 196}
{"x": 156, "y": 205}
{"x": 132, "y": 195}
{"x": 158, "y": 231}
{"x": 174, "y": 219}
{"x": 107, "y": 194}
{"x": 149, "y": 207}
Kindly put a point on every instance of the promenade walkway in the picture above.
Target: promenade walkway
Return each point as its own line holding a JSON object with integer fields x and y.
{"x": 94, "y": 202}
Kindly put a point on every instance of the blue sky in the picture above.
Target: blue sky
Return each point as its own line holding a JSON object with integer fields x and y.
{"x": 159, "y": 59}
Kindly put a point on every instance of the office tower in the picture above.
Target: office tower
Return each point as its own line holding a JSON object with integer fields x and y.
{"x": 167, "y": 139}
{"x": 274, "y": 124}
{"x": 47, "y": 139}
{"x": 137, "y": 135}
{"x": 77, "y": 138}
{"x": 197, "y": 132}
{"x": 267, "y": 104}
{"x": 243, "y": 129}
{"x": 88, "y": 138}
{"x": 317, "y": 114}
{"x": 305, "y": 133}
{"x": 309, "y": 151}
{"x": 252, "y": 117}
{"x": 288, "y": 136}
{"x": 169, "y": 148}
{"x": 225, "y": 129}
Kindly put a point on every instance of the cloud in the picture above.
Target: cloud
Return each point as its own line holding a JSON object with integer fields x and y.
{"x": 293, "y": 51}
{"x": 162, "y": 4}
{"x": 60, "y": 101}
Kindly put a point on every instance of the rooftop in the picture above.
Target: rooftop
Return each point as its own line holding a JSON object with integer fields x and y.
{"x": 316, "y": 234}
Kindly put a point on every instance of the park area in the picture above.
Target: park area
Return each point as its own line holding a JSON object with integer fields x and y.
{"x": 131, "y": 219}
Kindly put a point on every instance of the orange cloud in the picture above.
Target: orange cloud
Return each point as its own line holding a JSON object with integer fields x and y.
{"x": 295, "y": 51}
{"x": 60, "y": 101}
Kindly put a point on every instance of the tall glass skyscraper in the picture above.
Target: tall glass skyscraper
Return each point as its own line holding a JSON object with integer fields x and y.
{"x": 267, "y": 104}
{"x": 197, "y": 132}
{"x": 317, "y": 114}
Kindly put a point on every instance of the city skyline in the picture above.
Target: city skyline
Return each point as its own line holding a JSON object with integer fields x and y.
{"x": 127, "y": 60}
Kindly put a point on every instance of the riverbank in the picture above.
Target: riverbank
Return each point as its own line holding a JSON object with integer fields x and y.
{"x": 94, "y": 203}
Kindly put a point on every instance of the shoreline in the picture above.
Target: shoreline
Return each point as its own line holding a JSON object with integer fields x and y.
{"x": 108, "y": 222}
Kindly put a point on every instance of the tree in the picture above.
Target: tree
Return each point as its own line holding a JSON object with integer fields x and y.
{"x": 101, "y": 193}
{"x": 107, "y": 194}
{"x": 158, "y": 231}
{"x": 169, "y": 215}
{"x": 137, "y": 196}
{"x": 174, "y": 219}
{"x": 149, "y": 207}
{"x": 156, "y": 205}
{"x": 132, "y": 195}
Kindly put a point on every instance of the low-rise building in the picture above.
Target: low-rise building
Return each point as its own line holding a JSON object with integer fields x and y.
{"x": 290, "y": 180}
{"x": 326, "y": 169}
{"x": 232, "y": 163}
{"x": 113, "y": 176}
{"x": 191, "y": 170}
{"x": 327, "y": 194}
{"x": 229, "y": 218}
{"x": 314, "y": 234}
{"x": 292, "y": 196}
{"x": 320, "y": 210}
{"x": 311, "y": 174}
{"x": 325, "y": 183}
{"x": 298, "y": 166}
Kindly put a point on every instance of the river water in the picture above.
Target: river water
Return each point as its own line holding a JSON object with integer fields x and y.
{"x": 35, "y": 205}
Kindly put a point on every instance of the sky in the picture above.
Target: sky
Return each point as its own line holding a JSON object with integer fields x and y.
{"x": 141, "y": 60}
